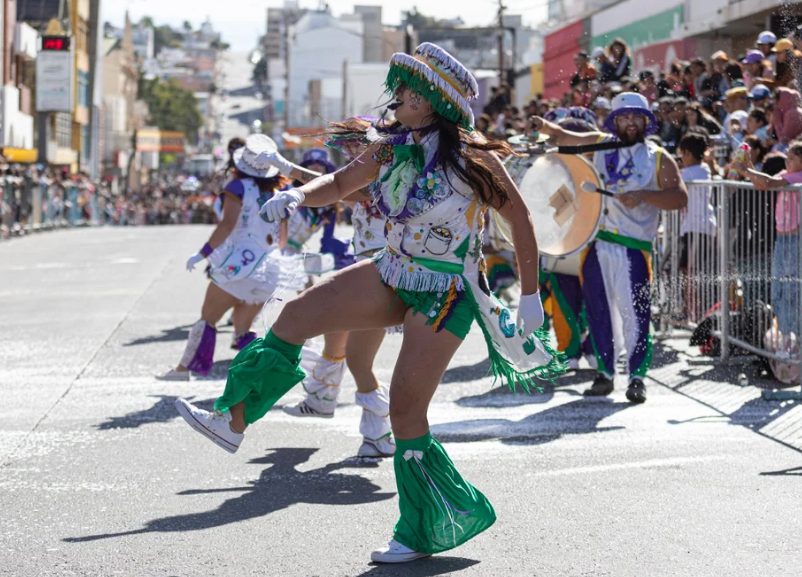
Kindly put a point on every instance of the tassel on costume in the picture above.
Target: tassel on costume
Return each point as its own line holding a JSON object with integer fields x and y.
{"x": 260, "y": 375}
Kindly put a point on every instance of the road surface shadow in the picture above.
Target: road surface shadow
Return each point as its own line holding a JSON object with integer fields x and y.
{"x": 793, "y": 472}
{"x": 427, "y": 567}
{"x": 279, "y": 486}
{"x": 502, "y": 396}
{"x": 578, "y": 417}
{"x": 168, "y": 335}
{"x": 695, "y": 372}
{"x": 462, "y": 373}
{"x": 662, "y": 355}
{"x": 163, "y": 410}
{"x": 180, "y": 333}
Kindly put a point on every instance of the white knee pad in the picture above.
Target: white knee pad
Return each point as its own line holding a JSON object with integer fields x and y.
{"x": 375, "y": 422}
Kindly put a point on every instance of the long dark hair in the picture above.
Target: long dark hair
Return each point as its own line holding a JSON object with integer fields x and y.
{"x": 233, "y": 145}
{"x": 450, "y": 152}
{"x": 265, "y": 184}
{"x": 475, "y": 173}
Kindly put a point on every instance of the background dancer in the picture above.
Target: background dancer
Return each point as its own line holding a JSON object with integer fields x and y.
{"x": 244, "y": 263}
{"x": 434, "y": 181}
{"x": 357, "y": 349}
{"x": 616, "y": 267}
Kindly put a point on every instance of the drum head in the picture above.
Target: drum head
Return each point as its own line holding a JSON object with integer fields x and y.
{"x": 566, "y": 217}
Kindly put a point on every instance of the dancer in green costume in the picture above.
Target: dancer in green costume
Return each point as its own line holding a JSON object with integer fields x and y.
{"x": 434, "y": 179}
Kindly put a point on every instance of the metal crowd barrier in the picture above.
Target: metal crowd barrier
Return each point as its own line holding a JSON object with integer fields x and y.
{"x": 744, "y": 278}
{"x": 30, "y": 205}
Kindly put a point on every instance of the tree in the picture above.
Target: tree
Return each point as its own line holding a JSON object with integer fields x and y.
{"x": 171, "y": 107}
{"x": 259, "y": 74}
{"x": 418, "y": 20}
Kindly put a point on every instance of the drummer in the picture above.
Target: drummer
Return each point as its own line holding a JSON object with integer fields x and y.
{"x": 645, "y": 180}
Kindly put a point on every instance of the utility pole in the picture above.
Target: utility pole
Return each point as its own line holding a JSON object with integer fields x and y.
{"x": 501, "y": 8}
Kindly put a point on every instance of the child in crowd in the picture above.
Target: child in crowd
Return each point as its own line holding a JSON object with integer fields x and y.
{"x": 785, "y": 293}
{"x": 757, "y": 124}
{"x": 698, "y": 218}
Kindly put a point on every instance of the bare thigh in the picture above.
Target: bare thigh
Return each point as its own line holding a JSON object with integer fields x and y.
{"x": 423, "y": 359}
{"x": 353, "y": 299}
{"x": 216, "y": 303}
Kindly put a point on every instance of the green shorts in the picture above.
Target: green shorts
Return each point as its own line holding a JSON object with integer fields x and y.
{"x": 450, "y": 310}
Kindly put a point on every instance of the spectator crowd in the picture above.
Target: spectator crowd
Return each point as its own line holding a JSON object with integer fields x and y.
{"x": 753, "y": 98}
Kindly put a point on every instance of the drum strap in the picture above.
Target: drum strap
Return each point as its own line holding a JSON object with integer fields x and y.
{"x": 583, "y": 148}
{"x": 627, "y": 241}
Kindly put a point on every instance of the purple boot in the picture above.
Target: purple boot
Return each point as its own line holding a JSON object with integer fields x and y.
{"x": 199, "y": 352}
{"x": 243, "y": 341}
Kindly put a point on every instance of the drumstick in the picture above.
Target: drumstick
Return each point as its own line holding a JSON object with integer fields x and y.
{"x": 588, "y": 186}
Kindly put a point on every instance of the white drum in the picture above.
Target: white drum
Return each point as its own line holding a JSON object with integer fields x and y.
{"x": 566, "y": 216}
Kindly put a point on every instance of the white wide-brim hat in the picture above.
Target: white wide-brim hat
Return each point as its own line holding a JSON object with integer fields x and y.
{"x": 627, "y": 102}
{"x": 247, "y": 159}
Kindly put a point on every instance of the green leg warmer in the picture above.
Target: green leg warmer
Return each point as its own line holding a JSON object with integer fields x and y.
{"x": 260, "y": 375}
{"x": 439, "y": 509}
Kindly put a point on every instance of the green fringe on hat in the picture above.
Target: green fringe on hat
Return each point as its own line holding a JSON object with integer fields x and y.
{"x": 400, "y": 74}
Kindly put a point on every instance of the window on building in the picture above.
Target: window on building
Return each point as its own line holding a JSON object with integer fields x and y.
{"x": 83, "y": 89}
{"x": 63, "y": 129}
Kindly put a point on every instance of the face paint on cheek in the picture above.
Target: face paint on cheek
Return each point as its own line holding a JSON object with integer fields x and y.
{"x": 414, "y": 101}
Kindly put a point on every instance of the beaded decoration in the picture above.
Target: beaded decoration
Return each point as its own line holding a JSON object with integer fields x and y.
{"x": 439, "y": 78}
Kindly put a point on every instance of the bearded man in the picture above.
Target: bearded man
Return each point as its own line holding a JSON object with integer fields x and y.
{"x": 616, "y": 266}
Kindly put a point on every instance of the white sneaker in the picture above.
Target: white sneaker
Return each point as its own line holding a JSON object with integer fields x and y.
{"x": 213, "y": 425}
{"x": 174, "y": 375}
{"x": 304, "y": 409}
{"x": 395, "y": 552}
{"x": 384, "y": 447}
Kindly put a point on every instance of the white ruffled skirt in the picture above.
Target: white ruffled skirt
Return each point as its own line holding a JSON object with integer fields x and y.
{"x": 254, "y": 274}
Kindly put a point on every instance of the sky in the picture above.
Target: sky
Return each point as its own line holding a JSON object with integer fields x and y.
{"x": 242, "y": 27}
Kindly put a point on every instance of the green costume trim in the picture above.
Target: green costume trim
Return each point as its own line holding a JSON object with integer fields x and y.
{"x": 430, "y": 305}
{"x": 439, "y": 509}
{"x": 439, "y": 265}
{"x": 502, "y": 369}
{"x": 574, "y": 347}
{"x": 445, "y": 107}
{"x": 647, "y": 360}
{"x": 629, "y": 242}
{"x": 260, "y": 375}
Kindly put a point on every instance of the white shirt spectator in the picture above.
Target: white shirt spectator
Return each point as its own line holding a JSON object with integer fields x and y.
{"x": 699, "y": 216}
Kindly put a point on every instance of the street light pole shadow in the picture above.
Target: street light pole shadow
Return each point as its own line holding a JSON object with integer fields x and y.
{"x": 279, "y": 486}
{"x": 427, "y": 567}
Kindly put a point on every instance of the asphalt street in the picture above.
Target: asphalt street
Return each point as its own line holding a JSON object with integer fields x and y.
{"x": 99, "y": 476}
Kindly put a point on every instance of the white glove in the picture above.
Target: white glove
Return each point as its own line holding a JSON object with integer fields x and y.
{"x": 193, "y": 260}
{"x": 275, "y": 159}
{"x": 282, "y": 205}
{"x": 530, "y": 313}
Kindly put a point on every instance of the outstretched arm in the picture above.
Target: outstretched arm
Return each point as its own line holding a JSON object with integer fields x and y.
{"x": 329, "y": 188}
{"x": 561, "y": 137}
